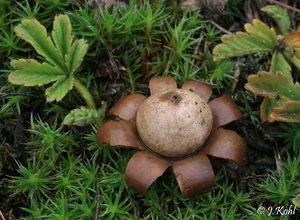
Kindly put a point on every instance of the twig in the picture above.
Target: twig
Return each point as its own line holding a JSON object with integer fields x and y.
{"x": 2, "y": 216}
{"x": 219, "y": 27}
{"x": 97, "y": 198}
{"x": 284, "y": 5}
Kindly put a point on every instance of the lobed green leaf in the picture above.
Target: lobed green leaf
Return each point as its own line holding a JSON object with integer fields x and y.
{"x": 257, "y": 38}
{"x": 292, "y": 48}
{"x": 289, "y": 111}
{"x": 282, "y": 96}
{"x": 280, "y": 16}
{"x": 59, "y": 89}
{"x": 35, "y": 33}
{"x": 294, "y": 60}
{"x": 276, "y": 85}
{"x": 75, "y": 56}
{"x": 63, "y": 57}
{"x": 266, "y": 108}
{"x": 29, "y": 72}
{"x": 62, "y": 34}
{"x": 279, "y": 64}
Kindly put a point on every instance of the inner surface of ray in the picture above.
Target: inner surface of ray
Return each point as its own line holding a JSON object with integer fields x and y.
{"x": 227, "y": 145}
{"x": 161, "y": 83}
{"x": 119, "y": 134}
{"x": 200, "y": 88}
{"x": 194, "y": 175}
{"x": 126, "y": 108}
{"x": 143, "y": 169}
{"x": 224, "y": 110}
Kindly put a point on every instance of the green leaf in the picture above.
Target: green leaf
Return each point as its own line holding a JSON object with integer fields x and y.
{"x": 294, "y": 60}
{"x": 34, "y": 33}
{"x": 29, "y": 72}
{"x": 62, "y": 34}
{"x": 84, "y": 116}
{"x": 279, "y": 64}
{"x": 273, "y": 85}
{"x": 59, "y": 89}
{"x": 280, "y": 110}
{"x": 257, "y": 38}
{"x": 266, "y": 108}
{"x": 289, "y": 111}
{"x": 280, "y": 16}
{"x": 292, "y": 48}
{"x": 282, "y": 96}
{"x": 75, "y": 56}
{"x": 63, "y": 57}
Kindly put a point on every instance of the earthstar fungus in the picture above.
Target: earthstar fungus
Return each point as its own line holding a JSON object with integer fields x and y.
{"x": 175, "y": 128}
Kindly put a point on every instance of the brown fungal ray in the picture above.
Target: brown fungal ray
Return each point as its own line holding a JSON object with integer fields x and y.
{"x": 161, "y": 83}
{"x": 194, "y": 175}
{"x": 200, "y": 88}
{"x": 119, "y": 134}
{"x": 224, "y": 110}
{"x": 143, "y": 169}
{"x": 126, "y": 108}
{"x": 227, "y": 145}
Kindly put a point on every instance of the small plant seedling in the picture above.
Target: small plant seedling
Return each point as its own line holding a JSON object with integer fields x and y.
{"x": 259, "y": 38}
{"x": 280, "y": 103}
{"x": 62, "y": 56}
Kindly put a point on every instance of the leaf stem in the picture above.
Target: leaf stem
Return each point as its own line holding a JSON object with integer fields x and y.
{"x": 86, "y": 95}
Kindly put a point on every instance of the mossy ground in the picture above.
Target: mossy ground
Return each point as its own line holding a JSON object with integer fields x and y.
{"x": 49, "y": 171}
